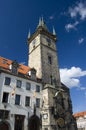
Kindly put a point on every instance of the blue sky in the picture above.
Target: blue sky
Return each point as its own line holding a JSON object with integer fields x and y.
{"x": 69, "y": 19}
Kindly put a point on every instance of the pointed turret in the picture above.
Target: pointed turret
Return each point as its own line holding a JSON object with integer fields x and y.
{"x": 39, "y": 22}
{"x": 42, "y": 29}
{"x": 29, "y": 34}
{"x": 42, "y": 24}
{"x": 54, "y": 32}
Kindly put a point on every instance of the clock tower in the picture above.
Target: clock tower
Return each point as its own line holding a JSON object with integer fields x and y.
{"x": 56, "y": 108}
{"x": 43, "y": 54}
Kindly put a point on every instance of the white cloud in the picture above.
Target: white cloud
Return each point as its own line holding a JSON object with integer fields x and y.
{"x": 70, "y": 26}
{"x": 81, "y": 40}
{"x": 82, "y": 88}
{"x": 71, "y": 77}
{"x": 78, "y": 10}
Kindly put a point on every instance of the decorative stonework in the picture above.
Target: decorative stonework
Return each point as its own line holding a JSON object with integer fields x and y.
{"x": 54, "y": 112}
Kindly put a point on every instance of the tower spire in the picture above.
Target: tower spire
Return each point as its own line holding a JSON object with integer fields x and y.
{"x": 29, "y": 34}
{"x": 39, "y": 22}
{"x": 42, "y": 24}
{"x": 42, "y": 21}
{"x": 54, "y": 32}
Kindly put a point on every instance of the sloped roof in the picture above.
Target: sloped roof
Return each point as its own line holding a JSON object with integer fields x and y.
{"x": 80, "y": 114}
{"x": 5, "y": 63}
{"x": 42, "y": 29}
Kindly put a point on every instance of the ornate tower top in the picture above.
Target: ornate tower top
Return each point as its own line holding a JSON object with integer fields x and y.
{"x": 42, "y": 29}
{"x": 42, "y": 24}
{"x": 43, "y": 54}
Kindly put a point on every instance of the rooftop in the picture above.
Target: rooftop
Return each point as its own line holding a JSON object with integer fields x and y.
{"x": 5, "y": 63}
{"x": 80, "y": 114}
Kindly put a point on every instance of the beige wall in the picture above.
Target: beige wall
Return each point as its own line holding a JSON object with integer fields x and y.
{"x": 38, "y": 58}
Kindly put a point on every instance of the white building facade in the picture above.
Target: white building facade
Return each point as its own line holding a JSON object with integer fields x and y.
{"x": 81, "y": 120}
{"x": 18, "y": 95}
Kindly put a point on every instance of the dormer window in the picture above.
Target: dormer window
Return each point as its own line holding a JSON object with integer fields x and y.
{"x": 29, "y": 73}
{"x": 33, "y": 74}
{"x": 15, "y": 66}
{"x": 4, "y": 61}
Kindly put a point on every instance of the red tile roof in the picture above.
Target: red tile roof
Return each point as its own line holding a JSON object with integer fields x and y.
{"x": 80, "y": 114}
{"x": 5, "y": 63}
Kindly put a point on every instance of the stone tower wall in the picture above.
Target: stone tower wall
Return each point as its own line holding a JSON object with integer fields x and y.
{"x": 49, "y": 69}
{"x": 34, "y": 59}
{"x": 39, "y": 50}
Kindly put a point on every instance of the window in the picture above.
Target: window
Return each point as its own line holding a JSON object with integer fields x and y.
{"x": 5, "y": 97}
{"x": 4, "y": 61}
{"x": 49, "y": 60}
{"x": 19, "y": 83}
{"x": 15, "y": 67}
{"x": 37, "y": 102}
{"x": 7, "y": 81}
{"x": 27, "y": 101}
{"x": 46, "y": 128}
{"x": 37, "y": 88}
{"x": 28, "y": 86}
{"x": 14, "y": 70}
{"x": 4, "y": 114}
{"x": 17, "y": 99}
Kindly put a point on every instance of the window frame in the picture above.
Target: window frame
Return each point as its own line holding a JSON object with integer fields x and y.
{"x": 27, "y": 102}
{"x": 7, "y": 81}
{"x": 38, "y": 88}
{"x": 5, "y": 97}
{"x": 38, "y": 102}
{"x": 49, "y": 59}
{"x": 28, "y": 86}
{"x": 17, "y": 99}
{"x": 18, "y": 83}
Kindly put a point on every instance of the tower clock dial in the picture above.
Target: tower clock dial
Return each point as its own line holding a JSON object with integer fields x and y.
{"x": 45, "y": 116}
{"x": 48, "y": 40}
{"x": 61, "y": 122}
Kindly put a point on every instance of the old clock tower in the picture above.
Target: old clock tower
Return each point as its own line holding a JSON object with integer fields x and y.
{"x": 56, "y": 108}
{"x": 43, "y": 54}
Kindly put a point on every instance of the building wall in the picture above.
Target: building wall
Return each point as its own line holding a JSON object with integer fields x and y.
{"x": 39, "y": 50}
{"x": 50, "y": 69}
{"x": 81, "y": 120}
{"x": 34, "y": 59}
{"x": 81, "y": 123}
{"x": 19, "y": 109}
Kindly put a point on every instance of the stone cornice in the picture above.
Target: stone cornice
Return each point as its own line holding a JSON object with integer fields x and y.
{"x": 42, "y": 31}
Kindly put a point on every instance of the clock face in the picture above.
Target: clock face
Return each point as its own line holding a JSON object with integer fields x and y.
{"x": 61, "y": 122}
{"x": 45, "y": 116}
{"x": 33, "y": 42}
{"x": 48, "y": 41}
